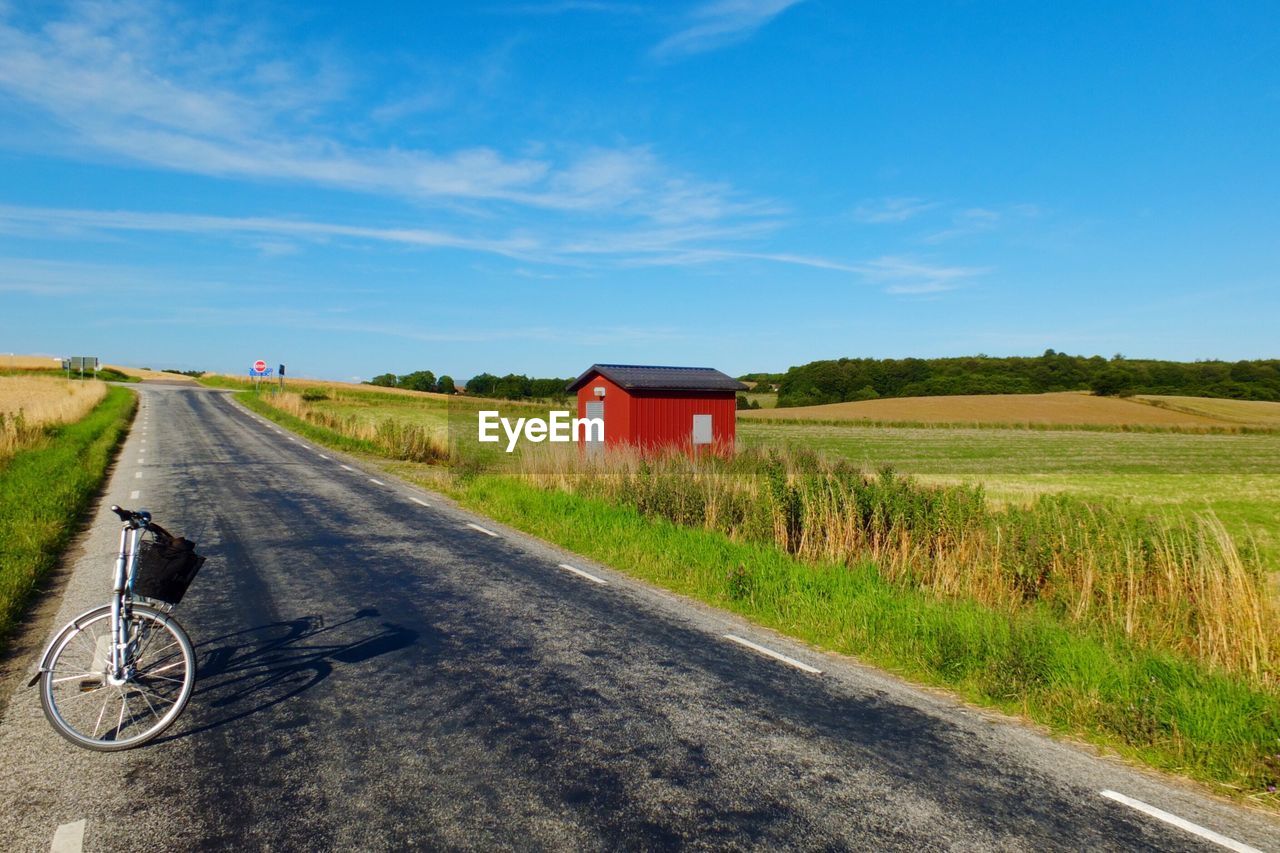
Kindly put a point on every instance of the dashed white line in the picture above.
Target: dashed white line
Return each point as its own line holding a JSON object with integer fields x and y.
{"x": 376, "y": 482}
{"x": 419, "y": 501}
{"x": 1181, "y": 823}
{"x": 586, "y": 575}
{"x": 347, "y": 468}
{"x": 771, "y": 653}
{"x": 134, "y": 495}
{"x": 137, "y": 475}
{"x": 483, "y": 530}
{"x": 322, "y": 456}
{"x": 68, "y": 838}
{"x": 291, "y": 438}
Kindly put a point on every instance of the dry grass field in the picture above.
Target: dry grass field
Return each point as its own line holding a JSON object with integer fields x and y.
{"x": 1060, "y": 409}
{"x": 1249, "y": 412}
{"x": 28, "y": 362}
{"x": 29, "y": 403}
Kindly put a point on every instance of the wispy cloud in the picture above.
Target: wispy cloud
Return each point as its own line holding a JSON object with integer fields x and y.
{"x": 892, "y": 210}
{"x": 561, "y": 7}
{"x": 683, "y": 246}
{"x": 719, "y": 24}
{"x": 130, "y": 81}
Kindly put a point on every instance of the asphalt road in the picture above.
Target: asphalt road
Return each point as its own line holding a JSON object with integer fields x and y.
{"x": 375, "y": 674}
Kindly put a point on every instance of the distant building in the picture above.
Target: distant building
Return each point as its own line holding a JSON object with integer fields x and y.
{"x": 656, "y": 407}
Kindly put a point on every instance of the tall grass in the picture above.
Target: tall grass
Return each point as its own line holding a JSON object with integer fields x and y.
{"x": 387, "y": 436}
{"x": 31, "y": 404}
{"x": 1179, "y": 584}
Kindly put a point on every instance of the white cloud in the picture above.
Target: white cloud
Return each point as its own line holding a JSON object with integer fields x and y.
{"x": 892, "y": 210}
{"x": 719, "y": 24}
{"x": 131, "y": 82}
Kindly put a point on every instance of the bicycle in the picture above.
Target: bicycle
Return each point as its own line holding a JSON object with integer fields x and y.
{"x": 118, "y": 675}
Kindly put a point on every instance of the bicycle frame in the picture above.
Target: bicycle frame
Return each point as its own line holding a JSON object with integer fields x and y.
{"x": 126, "y": 564}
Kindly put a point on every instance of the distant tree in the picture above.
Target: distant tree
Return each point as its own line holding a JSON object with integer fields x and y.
{"x": 445, "y": 384}
{"x": 419, "y": 380}
{"x": 384, "y": 380}
{"x": 482, "y": 385}
{"x": 1109, "y": 383}
{"x": 743, "y": 403}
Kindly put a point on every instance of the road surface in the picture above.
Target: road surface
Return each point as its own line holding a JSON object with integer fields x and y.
{"x": 379, "y": 672}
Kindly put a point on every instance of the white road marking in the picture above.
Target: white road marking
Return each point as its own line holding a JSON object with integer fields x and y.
{"x": 134, "y": 495}
{"x": 291, "y": 438}
{"x": 586, "y": 575}
{"x": 68, "y": 838}
{"x": 347, "y": 468}
{"x": 419, "y": 502}
{"x": 483, "y": 530}
{"x": 376, "y": 482}
{"x": 137, "y": 476}
{"x": 322, "y": 456}
{"x": 1188, "y": 826}
{"x": 771, "y": 653}
{"x": 144, "y": 441}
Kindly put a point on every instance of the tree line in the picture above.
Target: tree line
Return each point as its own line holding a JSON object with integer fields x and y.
{"x": 513, "y": 386}
{"x": 847, "y": 379}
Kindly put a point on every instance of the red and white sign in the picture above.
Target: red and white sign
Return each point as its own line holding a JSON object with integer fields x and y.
{"x": 259, "y": 365}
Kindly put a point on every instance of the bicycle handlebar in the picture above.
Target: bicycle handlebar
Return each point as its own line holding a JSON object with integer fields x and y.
{"x": 129, "y": 516}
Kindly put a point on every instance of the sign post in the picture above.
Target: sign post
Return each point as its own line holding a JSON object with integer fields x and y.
{"x": 257, "y": 371}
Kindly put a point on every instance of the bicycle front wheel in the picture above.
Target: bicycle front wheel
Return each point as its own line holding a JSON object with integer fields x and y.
{"x": 89, "y": 708}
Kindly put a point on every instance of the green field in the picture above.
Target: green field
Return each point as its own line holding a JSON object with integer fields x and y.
{"x": 1235, "y": 476}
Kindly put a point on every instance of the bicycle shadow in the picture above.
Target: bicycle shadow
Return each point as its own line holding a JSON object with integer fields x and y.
{"x": 246, "y": 672}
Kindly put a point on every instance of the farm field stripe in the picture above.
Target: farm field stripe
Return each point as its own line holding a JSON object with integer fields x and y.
{"x": 771, "y": 653}
{"x": 483, "y": 530}
{"x": 1181, "y": 823}
{"x": 586, "y": 575}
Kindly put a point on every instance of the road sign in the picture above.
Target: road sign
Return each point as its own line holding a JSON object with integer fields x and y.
{"x": 259, "y": 366}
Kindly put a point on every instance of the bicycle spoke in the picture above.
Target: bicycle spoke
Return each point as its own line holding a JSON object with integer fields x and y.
{"x": 73, "y": 677}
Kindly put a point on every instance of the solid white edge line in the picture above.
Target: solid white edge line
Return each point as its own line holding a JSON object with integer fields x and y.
{"x": 371, "y": 480}
{"x": 586, "y": 575}
{"x": 481, "y": 529}
{"x": 771, "y": 653}
{"x": 1181, "y": 823}
{"x": 344, "y": 468}
{"x": 134, "y": 495}
{"x": 68, "y": 838}
{"x": 419, "y": 501}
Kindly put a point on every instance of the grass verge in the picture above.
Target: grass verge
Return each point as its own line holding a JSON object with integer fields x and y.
{"x": 44, "y": 490}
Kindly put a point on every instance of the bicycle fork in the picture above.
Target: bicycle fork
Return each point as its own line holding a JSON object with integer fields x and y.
{"x": 117, "y": 663}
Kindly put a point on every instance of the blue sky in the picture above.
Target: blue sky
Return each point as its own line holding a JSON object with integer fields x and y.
{"x": 536, "y": 186}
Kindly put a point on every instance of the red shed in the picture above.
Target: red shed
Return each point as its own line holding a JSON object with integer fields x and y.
{"x": 652, "y": 407}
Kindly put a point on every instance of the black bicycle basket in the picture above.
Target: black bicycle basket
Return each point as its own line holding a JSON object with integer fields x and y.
{"x": 166, "y": 567}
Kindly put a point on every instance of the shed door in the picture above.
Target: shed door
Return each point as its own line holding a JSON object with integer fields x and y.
{"x": 702, "y": 429}
{"x": 595, "y": 409}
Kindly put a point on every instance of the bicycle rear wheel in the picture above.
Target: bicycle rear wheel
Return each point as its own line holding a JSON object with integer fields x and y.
{"x": 83, "y": 704}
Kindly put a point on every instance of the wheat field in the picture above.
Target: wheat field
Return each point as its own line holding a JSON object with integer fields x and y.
{"x": 30, "y": 403}
{"x": 1071, "y": 408}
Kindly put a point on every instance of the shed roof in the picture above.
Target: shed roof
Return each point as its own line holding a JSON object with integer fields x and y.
{"x": 637, "y": 377}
